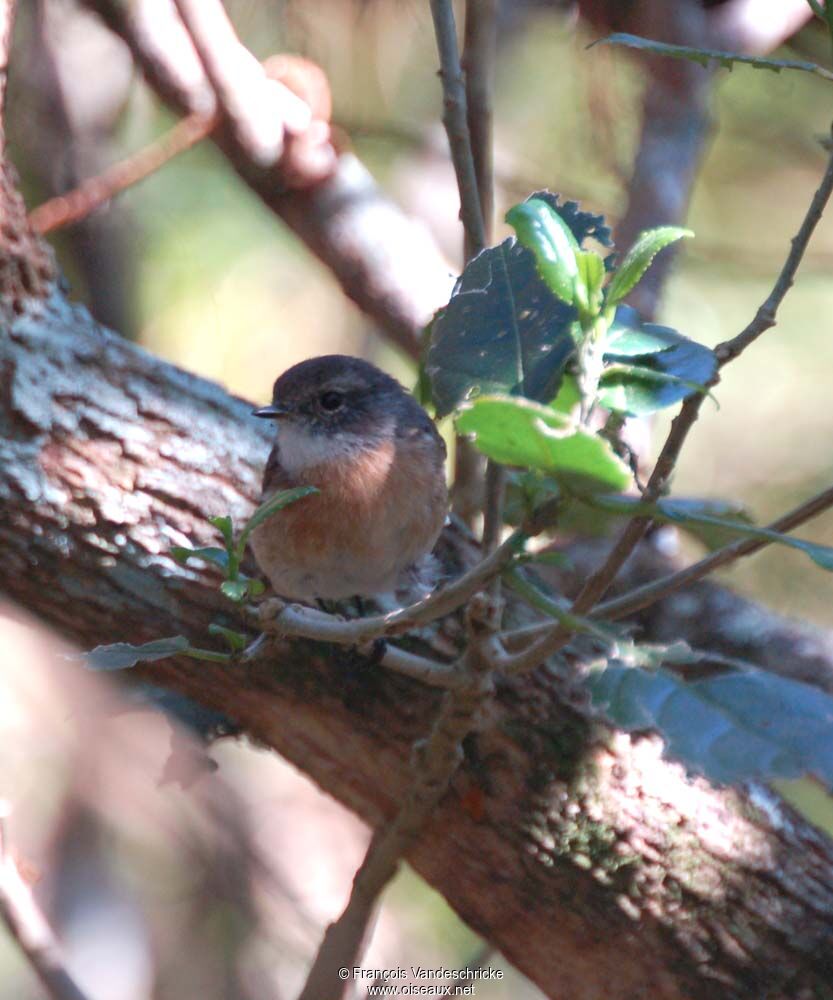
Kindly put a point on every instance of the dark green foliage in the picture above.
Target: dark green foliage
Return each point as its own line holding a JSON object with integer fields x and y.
{"x": 649, "y": 367}
{"x": 734, "y": 727}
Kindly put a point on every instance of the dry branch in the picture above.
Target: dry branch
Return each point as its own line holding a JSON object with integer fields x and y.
{"x": 29, "y": 928}
{"x": 385, "y": 262}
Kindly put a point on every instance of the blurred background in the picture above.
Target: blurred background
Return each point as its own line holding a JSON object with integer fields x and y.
{"x": 221, "y": 888}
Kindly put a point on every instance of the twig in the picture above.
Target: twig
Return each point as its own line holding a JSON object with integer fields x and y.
{"x": 455, "y": 120}
{"x": 597, "y": 584}
{"x": 436, "y": 763}
{"x": 479, "y": 61}
{"x": 294, "y": 620}
{"x": 656, "y": 590}
{"x": 28, "y": 926}
{"x": 765, "y": 316}
{"x": 650, "y": 593}
{"x": 65, "y": 209}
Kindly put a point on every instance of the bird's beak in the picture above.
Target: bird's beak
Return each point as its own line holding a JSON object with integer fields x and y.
{"x": 274, "y": 411}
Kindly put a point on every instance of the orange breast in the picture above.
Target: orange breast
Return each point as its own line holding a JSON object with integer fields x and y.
{"x": 375, "y": 514}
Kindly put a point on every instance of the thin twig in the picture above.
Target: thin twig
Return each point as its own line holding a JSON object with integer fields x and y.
{"x": 597, "y": 584}
{"x": 479, "y": 56}
{"x": 479, "y": 61}
{"x": 650, "y": 593}
{"x": 765, "y": 317}
{"x": 294, "y": 620}
{"x": 656, "y": 590}
{"x": 30, "y": 929}
{"x": 455, "y": 120}
{"x": 91, "y": 194}
{"x": 436, "y": 762}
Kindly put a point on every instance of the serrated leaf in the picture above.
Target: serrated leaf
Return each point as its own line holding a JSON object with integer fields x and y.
{"x": 503, "y": 331}
{"x": 519, "y": 432}
{"x": 210, "y": 554}
{"x": 665, "y": 366}
{"x": 225, "y": 527}
{"x": 121, "y": 655}
{"x": 541, "y": 230}
{"x": 705, "y": 56}
{"x": 235, "y": 590}
{"x": 236, "y": 641}
{"x": 741, "y": 726}
{"x": 283, "y": 498}
{"x": 638, "y": 259}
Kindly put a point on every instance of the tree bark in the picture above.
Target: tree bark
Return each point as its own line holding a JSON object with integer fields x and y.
{"x": 596, "y": 867}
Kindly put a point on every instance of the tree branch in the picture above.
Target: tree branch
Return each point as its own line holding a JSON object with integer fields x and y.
{"x": 29, "y": 928}
{"x": 386, "y": 263}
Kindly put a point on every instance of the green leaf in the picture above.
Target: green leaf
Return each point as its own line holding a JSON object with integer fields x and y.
{"x": 705, "y": 56}
{"x": 210, "y": 554}
{"x": 629, "y": 337}
{"x": 122, "y": 655}
{"x": 226, "y": 529}
{"x": 591, "y": 276}
{"x": 519, "y": 432}
{"x": 281, "y": 499}
{"x": 503, "y": 331}
{"x": 533, "y": 592}
{"x": 569, "y": 395}
{"x": 741, "y": 726}
{"x": 712, "y": 535}
{"x": 638, "y": 259}
{"x": 540, "y": 229}
{"x": 687, "y": 513}
{"x": 235, "y": 590}
{"x": 236, "y": 641}
{"x": 650, "y": 367}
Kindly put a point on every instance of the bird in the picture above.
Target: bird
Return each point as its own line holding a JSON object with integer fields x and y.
{"x": 378, "y": 462}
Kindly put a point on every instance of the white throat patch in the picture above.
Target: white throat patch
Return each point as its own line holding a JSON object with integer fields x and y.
{"x": 299, "y": 449}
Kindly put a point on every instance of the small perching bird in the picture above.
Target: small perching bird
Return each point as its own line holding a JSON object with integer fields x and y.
{"x": 378, "y": 462}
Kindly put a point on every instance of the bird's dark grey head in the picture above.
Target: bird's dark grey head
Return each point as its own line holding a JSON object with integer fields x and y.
{"x": 337, "y": 394}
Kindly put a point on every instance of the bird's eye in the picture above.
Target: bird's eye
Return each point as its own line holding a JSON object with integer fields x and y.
{"x": 331, "y": 401}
